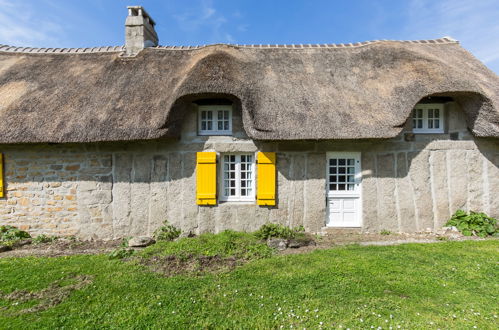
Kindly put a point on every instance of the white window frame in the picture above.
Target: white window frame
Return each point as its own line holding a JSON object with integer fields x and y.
{"x": 425, "y": 107}
{"x": 214, "y": 110}
{"x": 357, "y": 177}
{"x": 238, "y": 198}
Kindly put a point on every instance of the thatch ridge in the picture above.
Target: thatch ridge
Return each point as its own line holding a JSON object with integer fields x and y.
{"x": 105, "y": 49}
{"x": 286, "y": 93}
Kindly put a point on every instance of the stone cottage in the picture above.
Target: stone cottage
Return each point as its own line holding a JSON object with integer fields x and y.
{"x": 109, "y": 142}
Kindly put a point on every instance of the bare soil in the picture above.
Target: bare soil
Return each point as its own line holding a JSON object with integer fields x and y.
{"x": 339, "y": 238}
{"x": 191, "y": 265}
{"x": 55, "y": 294}
{"x": 67, "y": 247}
{"x": 63, "y": 247}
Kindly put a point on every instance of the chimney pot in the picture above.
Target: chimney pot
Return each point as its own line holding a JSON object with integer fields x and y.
{"x": 139, "y": 31}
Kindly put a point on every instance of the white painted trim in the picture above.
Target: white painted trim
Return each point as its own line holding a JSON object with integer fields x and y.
{"x": 214, "y": 109}
{"x": 357, "y": 193}
{"x": 425, "y": 129}
{"x": 222, "y": 197}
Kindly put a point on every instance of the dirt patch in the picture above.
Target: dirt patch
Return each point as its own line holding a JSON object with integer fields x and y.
{"x": 63, "y": 247}
{"x": 191, "y": 265}
{"x": 55, "y": 294}
{"x": 340, "y": 238}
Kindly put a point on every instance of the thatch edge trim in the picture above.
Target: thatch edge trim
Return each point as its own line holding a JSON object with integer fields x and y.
{"x": 110, "y": 49}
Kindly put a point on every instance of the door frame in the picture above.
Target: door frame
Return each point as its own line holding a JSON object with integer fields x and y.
{"x": 358, "y": 182}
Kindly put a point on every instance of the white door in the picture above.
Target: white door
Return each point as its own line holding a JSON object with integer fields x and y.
{"x": 344, "y": 202}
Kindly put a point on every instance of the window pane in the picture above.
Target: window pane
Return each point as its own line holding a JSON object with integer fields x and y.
{"x": 220, "y": 115}
{"x": 341, "y": 161}
{"x": 220, "y": 126}
{"x": 342, "y": 170}
{"x": 332, "y": 162}
{"x": 437, "y": 113}
{"x": 210, "y": 127}
{"x": 430, "y": 123}
{"x": 341, "y": 187}
{"x": 420, "y": 123}
{"x": 350, "y": 161}
{"x": 437, "y": 123}
{"x": 209, "y": 115}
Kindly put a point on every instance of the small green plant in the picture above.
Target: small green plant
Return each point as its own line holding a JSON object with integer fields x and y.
{"x": 166, "y": 232}
{"x": 11, "y": 233}
{"x": 385, "y": 232}
{"x": 44, "y": 239}
{"x": 273, "y": 230}
{"x": 124, "y": 242}
{"x": 474, "y": 224}
{"x": 121, "y": 253}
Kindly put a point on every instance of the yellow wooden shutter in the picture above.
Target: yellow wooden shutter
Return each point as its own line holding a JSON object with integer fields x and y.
{"x": 206, "y": 178}
{"x": 266, "y": 181}
{"x": 1, "y": 177}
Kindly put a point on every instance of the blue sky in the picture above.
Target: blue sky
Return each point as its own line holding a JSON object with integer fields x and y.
{"x": 64, "y": 23}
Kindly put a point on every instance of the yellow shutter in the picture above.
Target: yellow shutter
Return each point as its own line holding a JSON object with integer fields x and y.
{"x": 206, "y": 178}
{"x": 1, "y": 177}
{"x": 266, "y": 182}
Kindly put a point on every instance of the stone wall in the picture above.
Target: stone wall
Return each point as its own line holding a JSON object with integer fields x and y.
{"x": 109, "y": 190}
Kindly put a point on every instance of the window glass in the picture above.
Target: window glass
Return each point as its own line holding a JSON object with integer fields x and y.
{"x": 238, "y": 177}
{"x": 427, "y": 118}
{"x": 215, "y": 120}
{"x": 341, "y": 174}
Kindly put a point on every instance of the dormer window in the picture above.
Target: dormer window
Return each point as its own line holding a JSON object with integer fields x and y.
{"x": 215, "y": 120}
{"x": 428, "y": 118}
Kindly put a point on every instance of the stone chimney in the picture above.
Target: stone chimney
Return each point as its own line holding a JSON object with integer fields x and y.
{"x": 139, "y": 31}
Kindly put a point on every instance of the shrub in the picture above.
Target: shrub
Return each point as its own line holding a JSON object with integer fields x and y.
{"x": 44, "y": 239}
{"x": 11, "y": 233}
{"x": 474, "y": 223}
{"x": 272, "y": 230}
{"x": 166, "y": 232}
{"x": 385, "y": 232}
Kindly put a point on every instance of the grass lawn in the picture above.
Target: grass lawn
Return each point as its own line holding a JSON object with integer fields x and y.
{"x": 443, "y": 285}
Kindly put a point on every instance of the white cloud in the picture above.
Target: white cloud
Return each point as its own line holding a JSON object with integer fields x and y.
{"x": 205, "y": 17}
{"x": 474, "y": 23}
{"x": 22, "y": 25}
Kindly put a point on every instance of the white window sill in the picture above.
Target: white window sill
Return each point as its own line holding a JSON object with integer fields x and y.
{"x": 207, "y": 133}
{"x": 428, "y": 132}
{"x": 237, "y": 202}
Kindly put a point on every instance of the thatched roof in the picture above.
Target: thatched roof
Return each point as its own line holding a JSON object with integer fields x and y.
{"x": 364, "y": 90}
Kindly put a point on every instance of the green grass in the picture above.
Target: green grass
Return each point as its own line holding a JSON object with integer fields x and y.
{"x": 225, "y": 244}
{"x": 443, "y": 285}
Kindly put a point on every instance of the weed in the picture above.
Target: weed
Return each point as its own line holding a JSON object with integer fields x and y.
{"x": 44, "y": 239}
{"x": 273, "y": 230}
{"x": 121, "y": 253}
{"x": 11, "y": 234}
{"x": 166, "y": 232}
{"x": 474, "y": 224}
